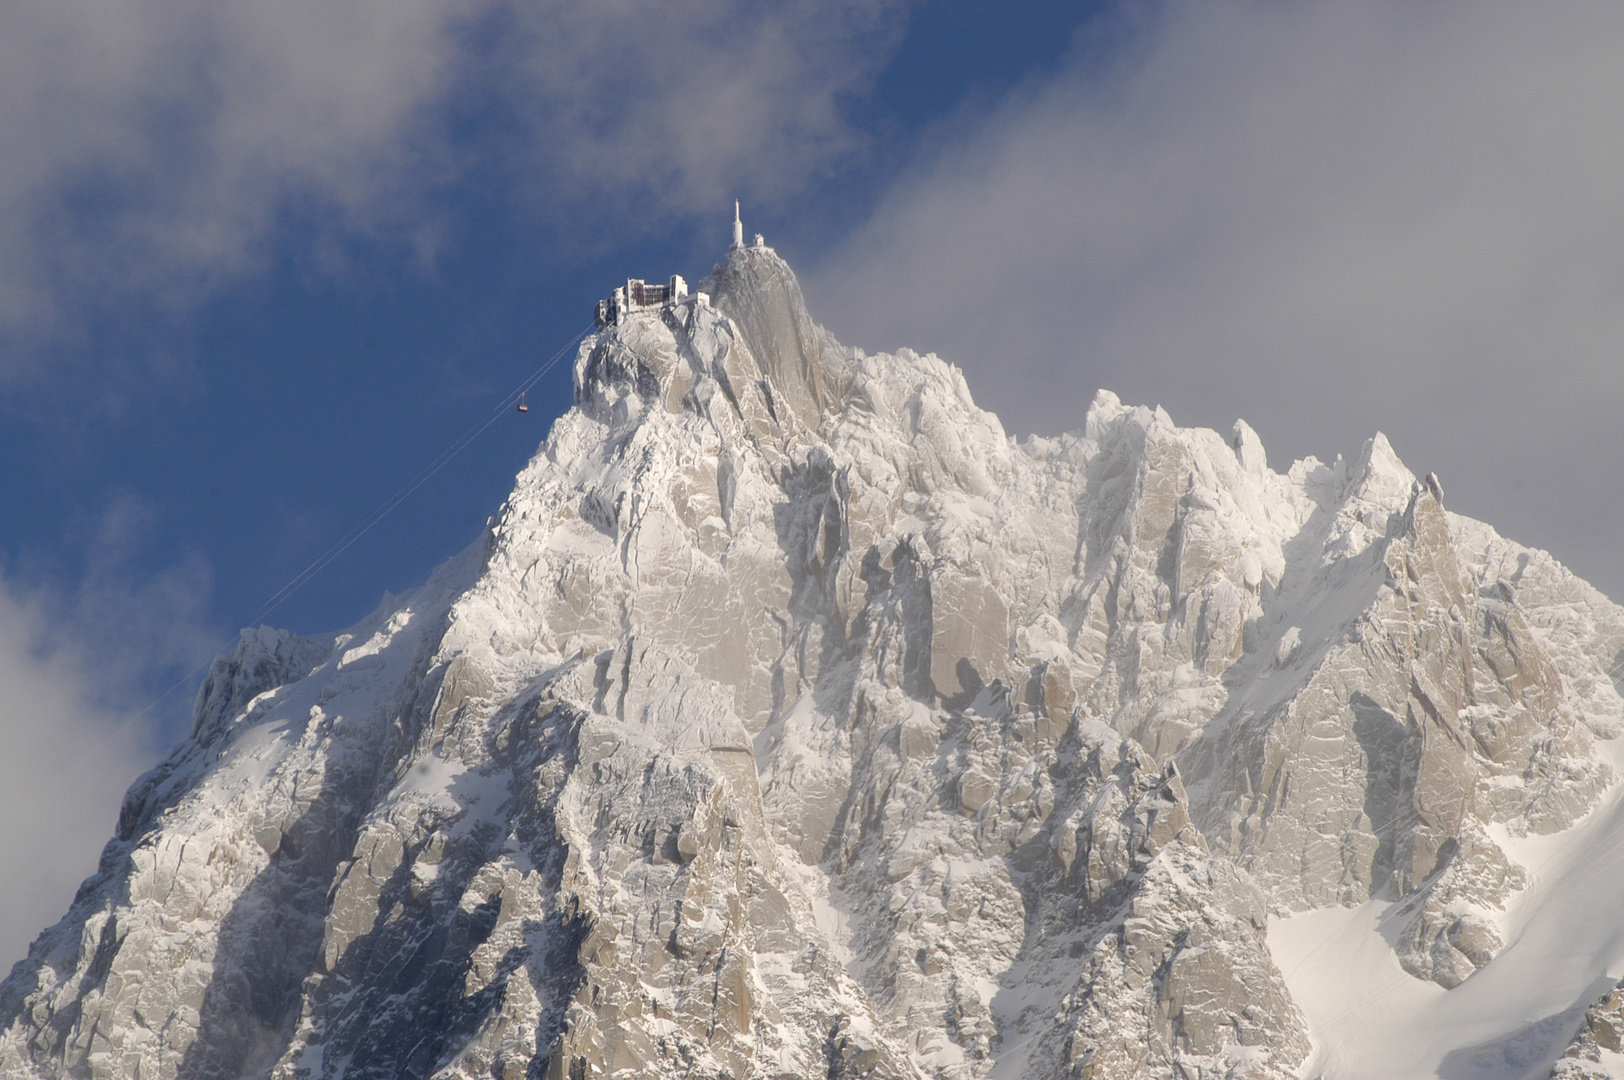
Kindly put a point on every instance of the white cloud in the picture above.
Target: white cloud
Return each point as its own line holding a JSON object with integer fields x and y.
{"x": 676, "y": 107}
{"x": 1328, "y": 218}
{"x": 150, "y": 144}
{"x": 157, "y": 146}
{"x": 94, "y": 686}
{"x": 62, "y": 775}
{"x": 141, "y": 620}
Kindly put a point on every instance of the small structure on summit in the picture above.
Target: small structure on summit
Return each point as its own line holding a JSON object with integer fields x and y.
{"x": 637, "y": 293}
{"x": 738, "y": 231}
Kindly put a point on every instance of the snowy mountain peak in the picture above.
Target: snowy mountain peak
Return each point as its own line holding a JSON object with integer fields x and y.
{"x": 793, "y": 720}
{"x": 759, "y": 292}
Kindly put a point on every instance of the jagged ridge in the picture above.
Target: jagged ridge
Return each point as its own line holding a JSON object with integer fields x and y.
{"x": 793, "y": 720}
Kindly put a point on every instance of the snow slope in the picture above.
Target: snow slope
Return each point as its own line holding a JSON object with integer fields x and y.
{"x": 1565, "y": 950}
{"x": 792, "y": 719}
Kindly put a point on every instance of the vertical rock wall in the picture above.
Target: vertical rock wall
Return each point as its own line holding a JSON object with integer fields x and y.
{"x": 794, "y": 720}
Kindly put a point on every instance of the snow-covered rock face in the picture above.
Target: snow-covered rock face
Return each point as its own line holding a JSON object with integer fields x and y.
{"x": 793, "y": 720}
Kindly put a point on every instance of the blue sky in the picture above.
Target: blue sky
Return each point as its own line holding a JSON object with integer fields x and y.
{"x": 227, "y": 426}
{"x": 259, "y": 264}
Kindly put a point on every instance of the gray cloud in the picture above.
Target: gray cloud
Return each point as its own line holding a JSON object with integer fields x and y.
{"x": 678, "y": 107}
{"x": 150, "y": 144}
{"x": 156, "y": 147}
{"x": 83, "y": 708}
{"x": 1326, "y": 218}
{"x": 66, "y": 765}
{"x": 137, "y": 617}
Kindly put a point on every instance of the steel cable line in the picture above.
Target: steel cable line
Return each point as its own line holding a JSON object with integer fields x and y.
{"x": 418, "y": 481}
{"x": 286, "y": 591}
{"x": 337, "y": 550}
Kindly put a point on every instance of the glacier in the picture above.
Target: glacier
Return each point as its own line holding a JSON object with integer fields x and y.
{"x": 792, "y": 719}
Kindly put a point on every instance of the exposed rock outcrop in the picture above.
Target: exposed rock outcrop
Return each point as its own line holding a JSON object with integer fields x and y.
{"x": 1597, "y": 1051}
{"x": 793, "y": 720}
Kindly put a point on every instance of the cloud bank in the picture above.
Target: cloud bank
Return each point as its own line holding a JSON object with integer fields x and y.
{"x": 71, "y": 662}
{"x": 158, "y": 147}
{"x": 1326, "y": 218}
{"x": 65, "y": 767}
{"x": 155, "y": 149}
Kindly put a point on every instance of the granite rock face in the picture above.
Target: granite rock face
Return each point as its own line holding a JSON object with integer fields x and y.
{"x": 792, "y": 720}
{"x": 1597, "y": 1051}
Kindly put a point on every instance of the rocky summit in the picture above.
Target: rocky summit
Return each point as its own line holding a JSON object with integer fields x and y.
{"x": 793, "y": 720}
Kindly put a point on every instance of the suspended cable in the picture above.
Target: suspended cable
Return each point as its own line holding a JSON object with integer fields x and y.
{"x": 297, "y": 582}
{"x": 343, "y": 545}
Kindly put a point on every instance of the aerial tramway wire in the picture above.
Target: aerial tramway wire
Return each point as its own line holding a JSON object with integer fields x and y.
{"x": 517, "y": 395}
{"x": 298, "y": 581}
{"x": 422, "y": 478}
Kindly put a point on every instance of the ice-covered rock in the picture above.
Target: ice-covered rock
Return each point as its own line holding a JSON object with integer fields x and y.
{"x": 792, "y": 719}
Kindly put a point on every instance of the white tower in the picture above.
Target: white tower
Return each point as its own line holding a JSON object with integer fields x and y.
{"x": 738, "y": 226}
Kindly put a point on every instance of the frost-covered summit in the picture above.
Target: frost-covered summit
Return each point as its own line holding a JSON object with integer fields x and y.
{"x": 793, "y": 720}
